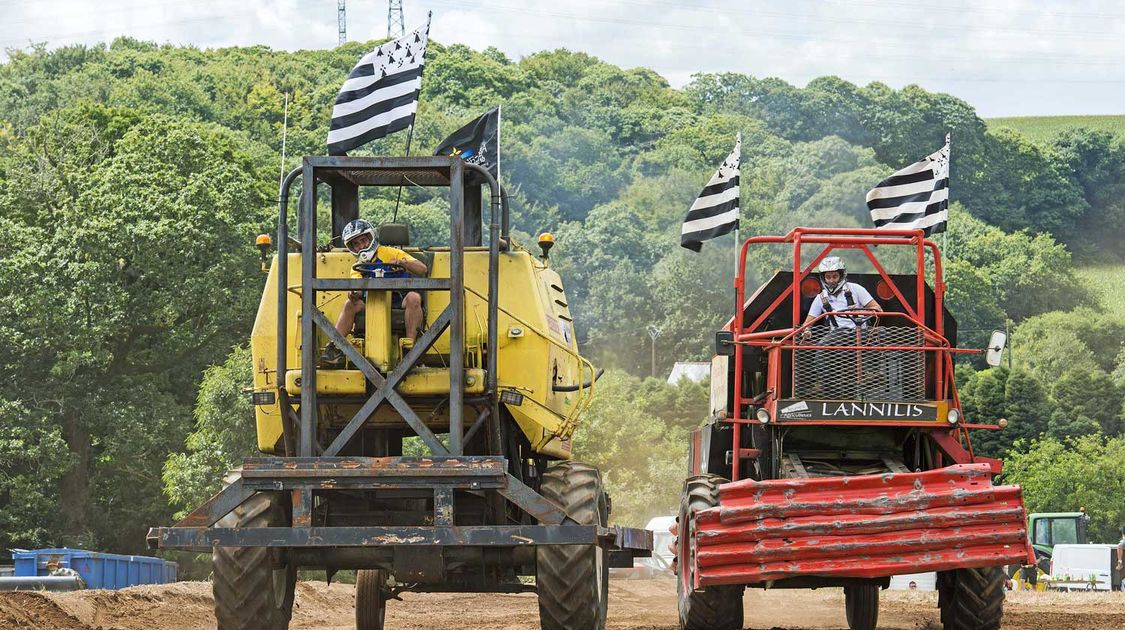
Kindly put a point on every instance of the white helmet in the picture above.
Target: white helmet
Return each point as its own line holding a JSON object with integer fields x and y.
{"x": 354, "y": 230}
{"x": 833, "y": 263}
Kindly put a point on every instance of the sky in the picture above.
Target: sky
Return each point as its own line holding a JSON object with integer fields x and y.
{"x": 1005, "y": 57}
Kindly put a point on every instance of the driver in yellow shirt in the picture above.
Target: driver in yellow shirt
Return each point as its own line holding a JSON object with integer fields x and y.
{"x": 377, "y": 260}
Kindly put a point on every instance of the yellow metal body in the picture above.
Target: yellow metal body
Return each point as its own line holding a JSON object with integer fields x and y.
{"x": 537, "y": 349}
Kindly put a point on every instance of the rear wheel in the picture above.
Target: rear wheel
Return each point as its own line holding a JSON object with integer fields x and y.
{"x": 715, "y": 607}
{"x": 971, "y": 599}
{"x": 251, "y": 591}
{"x": 573, "y": 580}
{"x": 862, "y": 605}
{"x": 370, "y": 599}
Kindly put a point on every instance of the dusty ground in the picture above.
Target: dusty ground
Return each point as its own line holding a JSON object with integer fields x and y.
{"x": 634, "y": 605}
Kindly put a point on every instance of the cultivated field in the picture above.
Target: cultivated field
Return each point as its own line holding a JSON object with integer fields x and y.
{"x": 1044, "y": 128}
{"x": 1107, "y": 280}
{"x": 634, "y": 605}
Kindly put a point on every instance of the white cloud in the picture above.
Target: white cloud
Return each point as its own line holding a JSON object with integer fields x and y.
{"x": 1006, "y": 57}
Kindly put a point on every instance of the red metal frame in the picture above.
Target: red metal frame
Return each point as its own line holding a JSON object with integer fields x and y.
{"x": 777, "y": 341}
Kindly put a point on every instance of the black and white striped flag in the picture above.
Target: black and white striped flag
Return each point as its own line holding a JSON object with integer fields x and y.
{"x": 715, "y": 212}
{"x": 916, "y": 197}
{"x": 380, "y": 96}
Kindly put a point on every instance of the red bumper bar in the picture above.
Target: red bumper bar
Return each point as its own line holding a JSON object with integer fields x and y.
{"x": 866, "y": 526}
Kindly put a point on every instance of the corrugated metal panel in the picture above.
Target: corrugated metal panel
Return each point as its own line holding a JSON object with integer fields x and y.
{"x": 863, "y": 526}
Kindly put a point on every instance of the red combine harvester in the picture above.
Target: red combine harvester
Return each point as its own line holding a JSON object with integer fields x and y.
{"x": 837, "y": 454}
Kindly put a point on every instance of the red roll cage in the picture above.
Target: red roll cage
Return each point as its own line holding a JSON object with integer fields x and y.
{"x": 775, "y": 342}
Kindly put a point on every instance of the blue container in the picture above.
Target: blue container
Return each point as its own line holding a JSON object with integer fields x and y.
{"x": 99, "y": 570}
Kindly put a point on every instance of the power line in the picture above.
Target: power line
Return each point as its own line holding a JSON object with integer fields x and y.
{"x": 342, "y": 21}
{"x": 396, "y": 24}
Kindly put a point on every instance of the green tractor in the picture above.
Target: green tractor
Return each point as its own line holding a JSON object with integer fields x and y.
{"x": 1047, "y": 529}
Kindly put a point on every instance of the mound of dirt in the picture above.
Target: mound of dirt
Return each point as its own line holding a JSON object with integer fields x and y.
{"x": 634, "y": 605}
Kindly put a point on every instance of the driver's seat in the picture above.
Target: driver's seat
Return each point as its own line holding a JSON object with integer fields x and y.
{"x": 398, "y": 235}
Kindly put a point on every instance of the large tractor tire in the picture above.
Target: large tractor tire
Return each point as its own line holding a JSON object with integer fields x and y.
{"x": 715, "y": 607}
{"x": 251, "y": 593}
{"x": 573, "y": 580}
{"x": 971, "y": 599}
{"x": 862, "y": 605}
{"x": 370, "y": 599}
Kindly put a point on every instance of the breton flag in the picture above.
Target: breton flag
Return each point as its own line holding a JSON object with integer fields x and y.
{"x": 478, "y": 142}
{"x": 917, "y": 197}
{"x": 715, "y": 212}
{"x": 380, "y": 95}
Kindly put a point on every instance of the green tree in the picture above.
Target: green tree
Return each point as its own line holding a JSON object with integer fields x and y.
{"x": 224, "y": 433}
{"x": 1062, "y": 476}
{"x": 642, "y": 457}
{"x": 125, "y": 268}
{"x": 1087, "y": 398}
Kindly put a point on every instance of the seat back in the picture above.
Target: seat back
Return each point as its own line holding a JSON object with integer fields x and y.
{"x": 394, "y": 235}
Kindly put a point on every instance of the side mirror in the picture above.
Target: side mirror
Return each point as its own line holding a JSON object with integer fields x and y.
{"x": 724, "y": 343}
{"x": 995, "y": 348}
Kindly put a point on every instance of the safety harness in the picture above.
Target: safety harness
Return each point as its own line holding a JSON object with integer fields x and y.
{"x": 828, "y": 305}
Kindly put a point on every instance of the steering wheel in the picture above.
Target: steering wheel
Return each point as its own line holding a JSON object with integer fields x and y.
{"x": 860, "y": 320}
{"x": 385, "y": 267}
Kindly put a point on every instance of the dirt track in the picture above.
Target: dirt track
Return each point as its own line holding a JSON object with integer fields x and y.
{"x": 634, "y": 605}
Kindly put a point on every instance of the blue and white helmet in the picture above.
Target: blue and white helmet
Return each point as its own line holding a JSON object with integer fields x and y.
{"x": 356, "y": 229}
{"x": 833, "y": 263}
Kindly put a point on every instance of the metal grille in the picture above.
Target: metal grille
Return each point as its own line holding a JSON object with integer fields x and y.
{"x": 870, "y": 373}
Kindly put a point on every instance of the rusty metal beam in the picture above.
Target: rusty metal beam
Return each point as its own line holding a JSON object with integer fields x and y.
{"x": 333, "y": 467}
{"x": 533, "y": 503}
{"x": 386, "y": 392}
{"x": 486, "y": 535}
{"x": 217, "y": 506}
{"x": 382, "y": 284}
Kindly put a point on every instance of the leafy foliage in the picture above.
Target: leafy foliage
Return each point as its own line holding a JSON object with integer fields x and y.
{"x": 1062, "y": 476}
{"x": 133, "y": 175}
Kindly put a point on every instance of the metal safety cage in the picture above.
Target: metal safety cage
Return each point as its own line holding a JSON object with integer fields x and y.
{"x": 314, "y": 467}
{"x": 870, "y": 367}
{"x": 882, "y": 362}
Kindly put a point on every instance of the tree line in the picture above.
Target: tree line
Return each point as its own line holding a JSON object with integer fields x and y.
{"x": 133, "y": 177}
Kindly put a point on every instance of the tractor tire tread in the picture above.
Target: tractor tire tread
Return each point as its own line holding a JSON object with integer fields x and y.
{"x": 971, "y": 599}
{"x": 716, "y": 607}
{"x": 242, "y": 582}
{"x": 566, "y": 576}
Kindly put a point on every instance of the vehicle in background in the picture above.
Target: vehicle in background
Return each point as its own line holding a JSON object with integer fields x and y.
{"x": 1083, "y": 567}
{"x": 1047, "y": 529}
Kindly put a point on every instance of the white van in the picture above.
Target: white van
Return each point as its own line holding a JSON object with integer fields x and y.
{"x": 1084, "y": 567}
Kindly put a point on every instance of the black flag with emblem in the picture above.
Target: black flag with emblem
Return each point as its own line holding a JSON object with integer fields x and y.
{"x": 380, "y": 95}
{"x": 477, "y": 142}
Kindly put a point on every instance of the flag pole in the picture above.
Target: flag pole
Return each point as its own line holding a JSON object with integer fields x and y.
{"x": 499, "y": 125}
{"x": 945, "y": 234}
{"x": 738, "y": 224}
{"x": 410, "y": 133}
{"x": 284, "y": 133}
{"x": 409, "y": 137}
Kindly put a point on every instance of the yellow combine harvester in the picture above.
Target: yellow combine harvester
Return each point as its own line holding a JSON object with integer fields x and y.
{"x": 493, "y": 387}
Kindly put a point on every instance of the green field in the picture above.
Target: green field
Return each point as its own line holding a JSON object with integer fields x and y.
{"x": 1044, "y": 128}
{"x": 1107, "y": 281}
